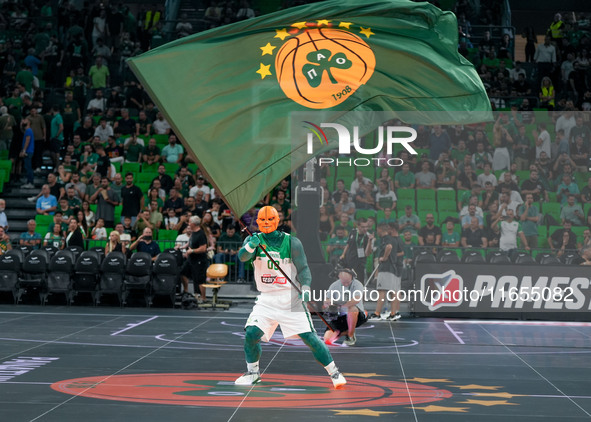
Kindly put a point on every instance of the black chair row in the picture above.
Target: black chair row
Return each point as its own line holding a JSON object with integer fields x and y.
{"x": 494, "y": 257}
{"x": 89, "y": 272}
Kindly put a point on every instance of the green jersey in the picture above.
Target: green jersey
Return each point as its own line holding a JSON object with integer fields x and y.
{"x": 268, "y": 278}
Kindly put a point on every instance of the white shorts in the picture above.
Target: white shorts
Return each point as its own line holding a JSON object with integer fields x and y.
{"x": 388, "y": 281}
{"x": 286, "y": 310}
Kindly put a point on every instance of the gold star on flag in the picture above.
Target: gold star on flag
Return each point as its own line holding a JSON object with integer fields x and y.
{"x": 281, "y": 33}
{"x": 489, "y": 402}
{"x": 323, "y": 22}
{"x": 476, "y": 387}
{"x": 299, "y": 25}
{"x": 432, "y": 408}
{"x": 366, "y": 31}
{"x": 345, "y": 24}
{"x": 264, "y": 71}
{"x": 268, "y": 49}
{"x": 363, "y": 412}
{"x": 428, "y": 380}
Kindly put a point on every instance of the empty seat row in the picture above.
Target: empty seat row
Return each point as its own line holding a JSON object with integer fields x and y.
{"x": 89, "y": 272}
{"x": 450, "y": 256}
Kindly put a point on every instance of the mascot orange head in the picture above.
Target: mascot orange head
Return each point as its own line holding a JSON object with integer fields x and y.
{"x": 268, "y": 219}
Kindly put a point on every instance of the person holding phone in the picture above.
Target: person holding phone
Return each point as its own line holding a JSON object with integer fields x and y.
{"x": 144, "y": 243}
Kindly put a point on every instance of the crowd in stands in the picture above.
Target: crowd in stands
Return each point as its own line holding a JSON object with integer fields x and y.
{"x": 501, "y": 185}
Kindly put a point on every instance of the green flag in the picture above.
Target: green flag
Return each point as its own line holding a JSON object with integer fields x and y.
{"x": 229, "y": 92}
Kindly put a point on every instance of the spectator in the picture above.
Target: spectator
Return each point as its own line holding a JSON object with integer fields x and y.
{"x": 481, "y": 157}
{"x": 200, "y": 204}
{"x": 281, "y": 201}
{"x": 114, "y": 243}
{"x": 126, "y": 125}
{"x": 151, "y": 153}
{"x": 385, "y": 198}
{"x": 160, "y": 125}
{"x": 99, "y": 232}
{"x": 358, "y": 181}
{"x": 201, "y": 186}
{"x": 425, "y": 179}
{"x": 545, "y": 57}
{"x": 430, "y": 229}
{"x": 228, "y": 245}
{"x": 5, "y": 243}
{"x": 580, "y": 154}
{"x": 173, "y": 152}
{"x": 106, "y": 199}
{"x": 7, "y": 124}
{"x": 446, "y": 175}
{"x": 336, "y": 195}
{"x": 171, "y": 219}
{"x": 89, "y": 216}
{"x": 563, "y": 239}
{"x": 77, "y": 185}
{"x": 364, "y": 198}
{"x": 565, "y": 188}
{"x": 166, "y": 181}
{"x": 488, "y": 196}
{"x": 474, "y": 236}
{"x": 47, "y": 203}
{"x": 450, "y": 238}
{"x": 345, "y": 205}
{"x": 502, "y": 141}
{"x": 132, "y": 199}
{"x": 99, "y": 74}
{"x": 510, "y": 229}
{"x": 75, "y": 234}
{"x": 582, "y": 130}
{"x": 467, "y": 179}
{"x": 572, "y": 211}
{"x": 336, "y": 245}
{"x": 585, "y": 193}
{"x": 143, "y": 221}
{"x": 103, "y": 163}
{"x": 530, "y": 217}
{"x": 195, "y": 266}
{"x": 133, "y": 149}
{"x": 144, "y": 125}
{"x": 404, "y": 179}
{"x": 30, "y": 237}
{"x": 96, "y": 106}
{"x": 439, "y": 142}
{"x": 487, "y": 176}
{"x": 144, "y": 243}
{"x": 27, "y": 150}
{"x": 409, "y": 221}
{"x": 466, "y": 219}
{"x": 3, "y": 219}
{"x": 174, "y": 202}
{"x": 103, "y": 131}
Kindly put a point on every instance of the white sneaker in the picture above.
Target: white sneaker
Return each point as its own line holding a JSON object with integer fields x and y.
{"x": 28, "y": 186}
{"x": 32, "y": 198}
{"x": 249, "y": 378}
{"x": 338, "y": 380}
{"x": 350, "y": 341}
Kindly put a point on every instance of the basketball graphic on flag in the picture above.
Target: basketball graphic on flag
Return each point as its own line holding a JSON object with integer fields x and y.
{"x": 320, "y": 68}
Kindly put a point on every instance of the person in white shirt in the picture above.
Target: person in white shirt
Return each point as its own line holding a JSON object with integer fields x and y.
{"x": 160, "y": 125}
{"x": 543, "y": 141}
{"x": 510, "y": 229}
{"x": 103, "y": 130}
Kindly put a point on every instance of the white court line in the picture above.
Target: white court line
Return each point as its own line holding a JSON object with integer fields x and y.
{"x": 455, "y": 333}
{"x": 404, "y": 375}
{"x": 115, "y": 373}
{"x": 130, "y": 326}
{"x": 65, "y": 314}
{"x": 562, "y": 394}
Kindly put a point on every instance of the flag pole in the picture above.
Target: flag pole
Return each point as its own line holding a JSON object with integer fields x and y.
{"x": 276, "y": 265}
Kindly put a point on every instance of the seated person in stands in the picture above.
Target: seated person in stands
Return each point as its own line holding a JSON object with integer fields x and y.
{"x": 114, "y": 243}
{"x": 144, "y": 243}
{"x": 30, "y": 237}
{"x": 474, "y": 236}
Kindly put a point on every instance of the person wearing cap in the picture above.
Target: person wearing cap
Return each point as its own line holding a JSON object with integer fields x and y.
{"x": 344, "y": 298}
{"x": 200, "y": 186}
{"x": 279, "y": 302}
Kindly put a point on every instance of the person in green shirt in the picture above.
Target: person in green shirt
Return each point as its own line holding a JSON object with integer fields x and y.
{"x": 449, "y": 237}
{"x": 133, "y": 150}
{"x": 404, "y": 179}
{"x": 336, "y": 245}
{"x": 26, "y": 78}
{"x": 14, "y": 104}
{"x": 99, "y": 74}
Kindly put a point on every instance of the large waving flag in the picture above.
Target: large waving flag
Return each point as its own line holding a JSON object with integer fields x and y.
{"x": 229, "y": 92}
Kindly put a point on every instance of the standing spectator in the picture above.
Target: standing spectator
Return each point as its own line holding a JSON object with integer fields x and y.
{"x": 7, "y": 123}
{"x": 56, "y": 135}
{"x": 27, "y": 150}
{"x": 106, "y": 199}
{"x": 545, "y": 57}
{"x": 75, "y": 234}
{"x": 132, "y": 199}
{"x": 195, "y": 266}
{"x": 228, "y": 245}
{"x": 439, "y": 142}
{"x": 543, "y": 141}
{"x": 521, "y": 149}
{"x": 40, "y": 135}
{"x": 336, "y": 245}
{"x": 530, "y": 217}
{"x": 166, "y": 181}
{"x": 510, "y": 229}
{"x": 173, "y": 152}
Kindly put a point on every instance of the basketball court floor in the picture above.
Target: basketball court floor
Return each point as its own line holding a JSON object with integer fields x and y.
{"x": 109, "y": 364}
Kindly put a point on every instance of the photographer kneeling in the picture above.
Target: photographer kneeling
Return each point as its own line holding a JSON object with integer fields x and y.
{"x": 347, "y": 312}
